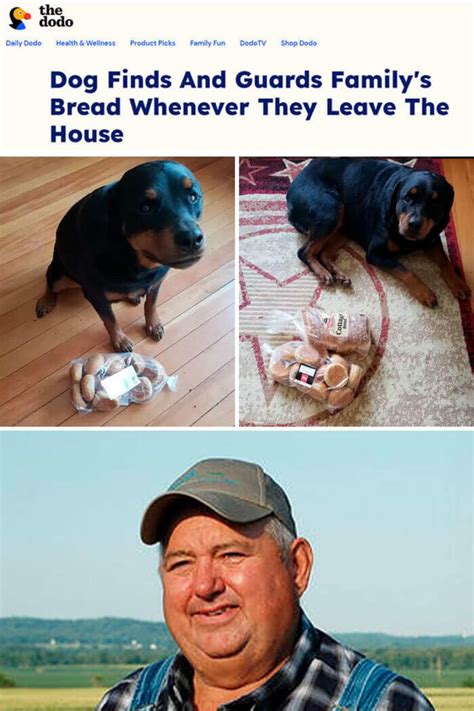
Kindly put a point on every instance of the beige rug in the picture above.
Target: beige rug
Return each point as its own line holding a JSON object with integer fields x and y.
{"x": 417, "y": 372}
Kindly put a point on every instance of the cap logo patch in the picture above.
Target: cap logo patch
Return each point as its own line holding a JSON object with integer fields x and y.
{"x": 209, "y": 478}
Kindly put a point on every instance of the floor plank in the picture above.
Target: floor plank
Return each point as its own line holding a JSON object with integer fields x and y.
{"x": 224, "y": 409}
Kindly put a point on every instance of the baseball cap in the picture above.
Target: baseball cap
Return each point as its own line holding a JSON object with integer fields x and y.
{"x": 240, "y": 492}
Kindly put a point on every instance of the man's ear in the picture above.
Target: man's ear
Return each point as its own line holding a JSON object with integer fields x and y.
{"x": 301, "y": 560}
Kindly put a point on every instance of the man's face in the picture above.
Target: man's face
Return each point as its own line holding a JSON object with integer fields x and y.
{"x": 228, "y": 595}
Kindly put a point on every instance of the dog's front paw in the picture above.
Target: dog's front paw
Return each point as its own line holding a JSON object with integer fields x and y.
{"x": 155, "y": 330}
{"x": 121, "y": 342}
{"x": 343, "y": 280}
{"x": 326, "y": 279}
{"x": 425, "y": 295}
{"x": 45, "y": 304}
{"x": 458, "y": 287}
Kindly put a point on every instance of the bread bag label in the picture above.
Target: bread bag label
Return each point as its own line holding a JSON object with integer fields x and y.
{"x": 338, "y": 325}
{"x": 120, "y": 383}
{"x": 305, "y": 375}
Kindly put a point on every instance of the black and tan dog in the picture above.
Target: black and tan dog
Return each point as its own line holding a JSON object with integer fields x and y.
{"x": 388, "y": 208}
{"x": 119, "y": 242}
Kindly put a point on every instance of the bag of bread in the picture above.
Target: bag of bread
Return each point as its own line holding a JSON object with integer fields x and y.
{"x": 329, "y": 379}
{"x": 104, "y": 382}
{"x": 336, "y": 332}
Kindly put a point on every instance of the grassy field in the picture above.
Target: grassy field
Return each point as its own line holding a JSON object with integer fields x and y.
{"x": 49, "y": 699}
{"x": 430, "y": 679}
{"x": 67, "y": 676}
{"x": 86, "y": 699}
{"x": 76, "y": 676}
{"x": 450, "y": 699}
{"x": 71, "y": 687}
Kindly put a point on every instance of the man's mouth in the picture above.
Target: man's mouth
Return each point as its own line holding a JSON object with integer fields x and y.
{"x": 222, "y": 612}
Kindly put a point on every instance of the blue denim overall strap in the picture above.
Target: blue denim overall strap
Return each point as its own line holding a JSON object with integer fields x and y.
{"x": 150, "y": 682}
{"x": 365, "y": 687}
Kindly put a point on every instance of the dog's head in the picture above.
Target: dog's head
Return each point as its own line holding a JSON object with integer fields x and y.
{"x": 422, "y": 204}
{"x": 160, "y": 204}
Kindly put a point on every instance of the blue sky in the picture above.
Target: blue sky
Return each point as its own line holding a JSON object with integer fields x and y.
{"x": 389, "y": 515}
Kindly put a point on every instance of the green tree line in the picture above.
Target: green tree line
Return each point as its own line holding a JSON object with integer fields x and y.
{"x": 104, "y": 630}
{"x": 27, "y": 656}
{"x": 436, "y": 658}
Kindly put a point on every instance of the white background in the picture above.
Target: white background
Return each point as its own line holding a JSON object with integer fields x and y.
{"x": 434, "y": 38}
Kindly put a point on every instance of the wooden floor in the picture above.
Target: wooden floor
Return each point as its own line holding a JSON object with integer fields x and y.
{"x": 460, "y": 173}
{"x": 196, "y": 305}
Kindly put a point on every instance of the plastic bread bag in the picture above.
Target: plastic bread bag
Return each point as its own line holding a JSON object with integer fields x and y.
{"x": 329, "y": 379}
{"x": 336, "y": 332}
{"x": 104, "y": 382}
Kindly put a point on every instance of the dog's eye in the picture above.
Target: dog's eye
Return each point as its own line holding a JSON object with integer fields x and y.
{"x": 146, "y": 207}
{"x": 193, "y": 197}
{"x": 407, "y": 199}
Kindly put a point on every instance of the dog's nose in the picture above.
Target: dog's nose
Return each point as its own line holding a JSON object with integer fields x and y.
{"x": 415, "y": 223}
{"x": 190, "y": 240}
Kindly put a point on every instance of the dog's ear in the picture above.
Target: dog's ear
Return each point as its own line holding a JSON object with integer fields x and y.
{"x": 393, "y": 189}
{"x": 446, "y": 191}
{"x": 443, "y": 222}
{"x": 448, "y": 195}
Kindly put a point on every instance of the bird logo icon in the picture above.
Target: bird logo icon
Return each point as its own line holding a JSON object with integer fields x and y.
{"x": 17, "y": 15}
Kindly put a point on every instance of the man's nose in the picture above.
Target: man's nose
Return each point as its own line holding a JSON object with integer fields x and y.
{"x": 208, "y": 581}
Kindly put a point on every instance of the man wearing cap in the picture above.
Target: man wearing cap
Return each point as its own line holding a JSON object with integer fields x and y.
{"x": 233, "y": 571}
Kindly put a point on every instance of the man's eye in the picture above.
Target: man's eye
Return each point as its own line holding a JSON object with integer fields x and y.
{"x": 178, "y": 565}
{"x": 233, "y": 555}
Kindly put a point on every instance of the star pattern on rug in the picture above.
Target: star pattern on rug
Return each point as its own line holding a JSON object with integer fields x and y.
{"x": 272, "y": 277}
{"x": 249, "y": 171}
{"x": 253, "y": 310}
{"x": 291, "y": 169}
{"x": 244, "y": 296}
{"x": 269, "y": 386}
{"x": 265, "y": 249}
{"x": 274, "y": 287}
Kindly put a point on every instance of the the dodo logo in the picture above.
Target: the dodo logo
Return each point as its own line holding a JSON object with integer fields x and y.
{"x": 53, "y": 17}
{"x": 17, "y": 15}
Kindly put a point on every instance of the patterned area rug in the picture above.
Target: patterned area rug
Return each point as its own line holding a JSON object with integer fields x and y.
{"x": 419, "y": 369}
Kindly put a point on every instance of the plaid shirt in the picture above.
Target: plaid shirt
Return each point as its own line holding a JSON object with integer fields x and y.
{"x": 311, "y": 680}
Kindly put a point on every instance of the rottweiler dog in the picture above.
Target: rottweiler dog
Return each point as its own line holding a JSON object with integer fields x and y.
{"x": 388, "y": 208}
{"x": 119, "y": 242}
